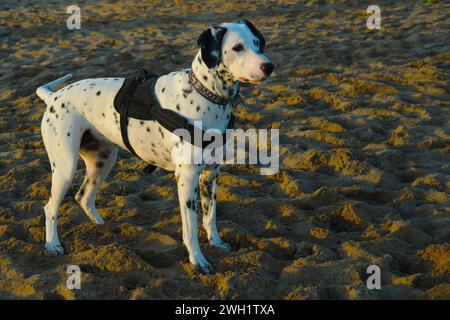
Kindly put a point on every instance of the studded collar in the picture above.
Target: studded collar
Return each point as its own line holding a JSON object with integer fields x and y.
{"x": 208, "y": 94}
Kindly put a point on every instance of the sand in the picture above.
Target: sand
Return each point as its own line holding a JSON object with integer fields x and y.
{"x": 364, "y": 173}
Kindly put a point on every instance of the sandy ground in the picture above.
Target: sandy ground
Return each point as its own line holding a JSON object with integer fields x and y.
{"x": 364, "y": 176}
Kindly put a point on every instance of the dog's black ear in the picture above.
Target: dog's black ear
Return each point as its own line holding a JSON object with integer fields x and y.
{"x": 210, "y": 42}
{"x": 262, "y": 41}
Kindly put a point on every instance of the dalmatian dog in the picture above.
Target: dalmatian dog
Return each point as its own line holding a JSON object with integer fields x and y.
{"x": 80, "y": 120}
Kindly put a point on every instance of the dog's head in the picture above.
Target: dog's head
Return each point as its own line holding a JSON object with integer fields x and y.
{"x": 239, "y": 48}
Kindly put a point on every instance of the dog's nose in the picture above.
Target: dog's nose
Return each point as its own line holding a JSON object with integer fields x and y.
{"x": 267, "y": 68}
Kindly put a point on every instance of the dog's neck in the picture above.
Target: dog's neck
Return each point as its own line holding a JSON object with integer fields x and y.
{"x": 218, "y": 80}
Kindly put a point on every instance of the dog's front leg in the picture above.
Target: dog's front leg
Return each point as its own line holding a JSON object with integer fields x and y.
{"x": 187, "y": 182}
{"x": 209, "y": 184}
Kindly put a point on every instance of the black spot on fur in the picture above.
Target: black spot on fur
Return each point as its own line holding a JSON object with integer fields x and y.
{"x": 141, "y": 123}
{"x": 189, "y": 203}
{"x": 88, "y": 142}
{"x": 205, "y": 78}
{"x": 163, "y": 89}
{"x": 63, "y": 105}
{"x": 178, "y": 107}
{"x": 52, "y": 110}
{"x": 198, "y": 108}
{"x": 99, "y": 164}
{"x": 104, "y": 154}
{"x": 68, "y": 134}
{"x": 148, "y": 129}
{"x": 56, "y": 98}
{"x": 99, "y": 93}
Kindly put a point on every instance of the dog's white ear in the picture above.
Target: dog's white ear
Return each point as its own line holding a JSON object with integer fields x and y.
{"x": 262, "y": 41}
{"x": 210, "y": 43}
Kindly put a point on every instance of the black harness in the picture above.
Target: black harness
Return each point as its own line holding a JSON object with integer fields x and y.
{"x": 136, "y": 99}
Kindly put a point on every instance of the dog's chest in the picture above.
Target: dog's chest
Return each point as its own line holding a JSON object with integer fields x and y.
{"x": 152, "y": 142}
{"x": 174, "y": 91}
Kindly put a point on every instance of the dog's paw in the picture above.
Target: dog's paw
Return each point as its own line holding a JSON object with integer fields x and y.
{"x": 204, "y": 268}
{"x": 91, "y": 213}
{"x": 222, "y": 245}
{"x": 96, "y": 218}
{"x": 55, "y": 249}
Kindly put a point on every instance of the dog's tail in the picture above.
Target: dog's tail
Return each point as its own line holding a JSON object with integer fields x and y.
{"x": 46, "y": 90}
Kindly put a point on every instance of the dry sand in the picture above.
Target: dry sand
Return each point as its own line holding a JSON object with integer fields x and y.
{"x": 364, "y": 178}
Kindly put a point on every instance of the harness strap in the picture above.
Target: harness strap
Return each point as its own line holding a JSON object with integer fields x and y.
{"x": 124, "y": 107}
{"x": 124, "y": 118}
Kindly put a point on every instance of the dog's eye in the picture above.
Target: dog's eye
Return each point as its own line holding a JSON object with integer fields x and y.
{"x": 238, "y": 47}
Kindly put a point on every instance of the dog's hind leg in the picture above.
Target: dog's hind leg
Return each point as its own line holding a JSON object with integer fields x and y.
{"x": 99, "y": 156}
{"x": 209, "y": 183}
{"x": 61, "y": 144}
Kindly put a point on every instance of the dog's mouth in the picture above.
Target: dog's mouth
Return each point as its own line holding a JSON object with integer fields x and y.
{"x": 252, "y": 81}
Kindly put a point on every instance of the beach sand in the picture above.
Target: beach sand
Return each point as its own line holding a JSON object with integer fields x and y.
{"x": 364, "y": 171}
